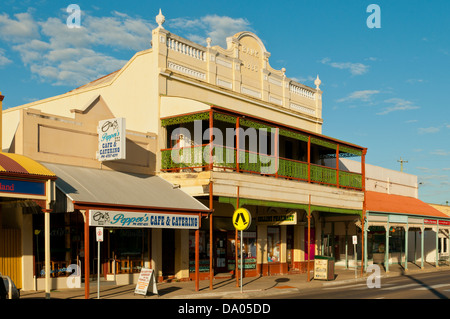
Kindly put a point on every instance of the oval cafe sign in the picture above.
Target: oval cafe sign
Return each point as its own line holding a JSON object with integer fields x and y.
{"x": 242, "y": 219}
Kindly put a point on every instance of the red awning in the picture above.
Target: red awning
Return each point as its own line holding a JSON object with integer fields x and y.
{"x": 388, "y": 203}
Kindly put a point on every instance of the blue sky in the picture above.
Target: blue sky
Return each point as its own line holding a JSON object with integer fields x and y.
{"x": 387, "y": 89}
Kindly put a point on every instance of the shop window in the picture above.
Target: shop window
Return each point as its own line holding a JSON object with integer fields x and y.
{"x": 397, "y": 240}
{"x": 128, "y": 247}
{"x": 273, "y": 244}
{"x": 203, "y": 248}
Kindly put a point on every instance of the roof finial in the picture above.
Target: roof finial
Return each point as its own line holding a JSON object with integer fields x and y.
{"x": 317, "y": 82}
{"x": 160, "y": 19}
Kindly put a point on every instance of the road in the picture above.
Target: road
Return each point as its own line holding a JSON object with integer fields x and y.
{"x": 418, "y": 286}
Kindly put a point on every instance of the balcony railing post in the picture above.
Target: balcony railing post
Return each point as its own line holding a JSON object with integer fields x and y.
{"x": 309, "y": 159}
{"x": 337, "y": 165}
{"x": 210, "y": 139}
{"x": 237, "y": 143}
{"x": 276, "y": 152}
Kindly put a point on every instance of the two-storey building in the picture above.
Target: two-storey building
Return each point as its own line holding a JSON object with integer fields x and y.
{"x": 219, "y": 124}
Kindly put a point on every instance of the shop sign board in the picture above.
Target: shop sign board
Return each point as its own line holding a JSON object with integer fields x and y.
{"x": 146, "y": 278}
{"x": 398, "y": 219}
{"x": 277, "y": 219}
{"x": 434, "y": 222}
{"x": 111, "y": 139}
{"x": 110, "y": 218}
{"x": 17, "y": 186}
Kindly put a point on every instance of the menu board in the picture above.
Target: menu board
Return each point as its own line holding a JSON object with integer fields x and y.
{"x": 146, "y": 278}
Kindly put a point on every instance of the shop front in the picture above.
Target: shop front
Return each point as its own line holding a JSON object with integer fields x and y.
{"x": 146, "y": 221}
{"x": 224, "y": 242}
{"x": 26, "y": 192}
{"x": 402, "y": 230}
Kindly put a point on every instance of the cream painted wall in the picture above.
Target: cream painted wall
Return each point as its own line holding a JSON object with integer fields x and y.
{"x": 380, "y": 179}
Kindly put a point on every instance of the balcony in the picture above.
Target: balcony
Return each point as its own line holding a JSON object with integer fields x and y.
{"x": 289, "y": 154}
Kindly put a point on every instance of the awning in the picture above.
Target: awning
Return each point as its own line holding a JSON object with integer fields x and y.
{"x": 389, "y": 203}
{"x": 95, "y": 187}
{"x": 15, "y": 164}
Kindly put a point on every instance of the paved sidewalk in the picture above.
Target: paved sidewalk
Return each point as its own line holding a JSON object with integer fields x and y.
{"x": 253, "y": 287}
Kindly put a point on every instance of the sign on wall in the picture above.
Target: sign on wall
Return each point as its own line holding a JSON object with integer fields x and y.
{"x": 111, "y": 139}
{"x": 109, "y": 218}
{"x": 15, "y": 186}
{"x": 289, "y": 218}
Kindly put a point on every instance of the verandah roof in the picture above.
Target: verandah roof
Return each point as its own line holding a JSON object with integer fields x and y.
{"x": 390, "y": 203}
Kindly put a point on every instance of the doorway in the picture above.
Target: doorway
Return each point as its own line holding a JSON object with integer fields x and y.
{"x": 168, "y": 255}
{"x": 312, "y": 245}
{"x": 290, "y": 246}
{"x": 220, "y": 251}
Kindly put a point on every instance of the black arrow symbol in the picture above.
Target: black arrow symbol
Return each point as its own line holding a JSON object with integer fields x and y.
{"x": 240, "y": 215}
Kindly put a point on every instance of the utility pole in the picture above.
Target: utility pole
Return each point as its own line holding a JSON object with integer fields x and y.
{"x": 401, "y": 164}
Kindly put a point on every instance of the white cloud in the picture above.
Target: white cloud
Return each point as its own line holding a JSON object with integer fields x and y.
{"x": 364, "y": 95}
{"x": 72, "y": 57}
{"x": 431, "y": 129}
{"x": 19, "y": 29}
{"x": 218, "y": 28}
{"x": 354, "y": 68}
{"x": 398, "y": 105}
{"x": 414, "y": 81}
{"x": 3, "y": 59}
{"x": 440, "y": 152}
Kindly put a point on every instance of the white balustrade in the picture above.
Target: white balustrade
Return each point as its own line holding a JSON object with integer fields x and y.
{"x": 301, "y": 91}
{"x": 186, "y": 49}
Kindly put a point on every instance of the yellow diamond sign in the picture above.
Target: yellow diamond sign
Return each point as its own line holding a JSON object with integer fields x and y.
{"x": 242, "y": 219}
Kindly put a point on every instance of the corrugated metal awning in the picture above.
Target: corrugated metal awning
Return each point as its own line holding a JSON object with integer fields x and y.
{"x": 105, "y": 187}
{"x": 390, "y": 203}
{"x": 11, "y": 164}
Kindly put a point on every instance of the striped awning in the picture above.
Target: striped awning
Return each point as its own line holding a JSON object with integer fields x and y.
{"x": 15, "y": 164}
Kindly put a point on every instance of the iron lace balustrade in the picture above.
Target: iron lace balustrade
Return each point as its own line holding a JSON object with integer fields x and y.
{"x": 196, "y": 158}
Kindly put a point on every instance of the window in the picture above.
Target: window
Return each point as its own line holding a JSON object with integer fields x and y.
{"x": 273, "y": 244}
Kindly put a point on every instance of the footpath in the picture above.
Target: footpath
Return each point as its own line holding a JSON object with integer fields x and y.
{"x": 227, "y": 288}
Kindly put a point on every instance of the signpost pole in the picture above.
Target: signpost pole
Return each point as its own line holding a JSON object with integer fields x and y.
{"x": 241, "y": 221}
{"x": 99, "y": 233}
{"x": 356, "y": 261}
{"x": 242, "y": 259}
{"x": 98, "y": 270}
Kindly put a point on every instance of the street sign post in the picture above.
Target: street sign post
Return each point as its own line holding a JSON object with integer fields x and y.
{"x": 99, "y": 235}
{"x": 242, "y": 220}
{"x": 355, "y": 241}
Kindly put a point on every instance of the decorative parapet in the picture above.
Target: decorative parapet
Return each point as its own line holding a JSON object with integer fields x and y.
{"x": 243, "y": 67}
{"x": 186, "y": 49}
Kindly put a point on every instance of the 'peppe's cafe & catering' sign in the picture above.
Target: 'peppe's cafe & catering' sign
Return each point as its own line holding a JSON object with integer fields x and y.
{"x": 111, "y": 139}
{"x": 108, "y": 218}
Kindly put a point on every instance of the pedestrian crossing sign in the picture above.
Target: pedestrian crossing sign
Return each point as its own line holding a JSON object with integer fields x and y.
{"x": 242, "y": 219}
